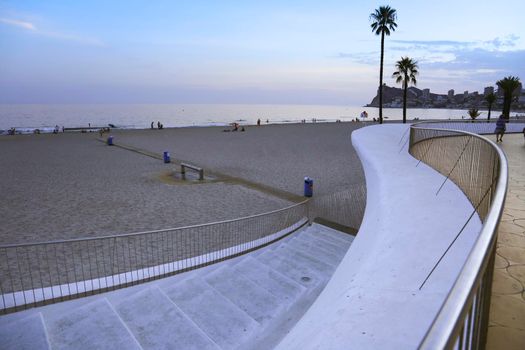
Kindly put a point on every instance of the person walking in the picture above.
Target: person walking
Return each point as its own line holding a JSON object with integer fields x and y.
{"x": 500, "y": 128}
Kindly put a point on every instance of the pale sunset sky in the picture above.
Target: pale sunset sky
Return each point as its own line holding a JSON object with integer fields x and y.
{"x": 211, "y": 51}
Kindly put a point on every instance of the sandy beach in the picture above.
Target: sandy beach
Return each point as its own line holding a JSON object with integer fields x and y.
{"x": 72, "y": 185}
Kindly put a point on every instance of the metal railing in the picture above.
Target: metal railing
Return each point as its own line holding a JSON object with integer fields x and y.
{"x": 35, "y": 274}
{"x": 344, "y": 208}
{"x": 479, "y": 168}
{"x": 39, "y": 273}
{"x": 480, "y": 127}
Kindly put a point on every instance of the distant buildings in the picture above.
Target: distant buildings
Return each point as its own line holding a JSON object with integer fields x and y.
{"x": 393, "y": 98}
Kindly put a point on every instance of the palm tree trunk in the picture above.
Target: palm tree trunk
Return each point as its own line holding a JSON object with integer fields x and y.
{"x": 405, "y": 99}
{"x": 490, "y": 108}
{"x": 506, "y": 105}
{"x": 381, "y": 79}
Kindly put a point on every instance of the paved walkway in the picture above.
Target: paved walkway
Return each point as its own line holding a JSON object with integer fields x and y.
{"x": 507, "y": 318}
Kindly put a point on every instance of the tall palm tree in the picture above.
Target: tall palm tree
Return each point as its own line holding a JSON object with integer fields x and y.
{"x": 490, "y": 98}
{"x": 406, "y": 74}
{"x": 508, "y": 85}
{"x": 383, "y": 22}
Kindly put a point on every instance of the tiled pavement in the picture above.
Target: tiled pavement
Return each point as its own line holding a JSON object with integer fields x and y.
{"x": 507, "y": 313}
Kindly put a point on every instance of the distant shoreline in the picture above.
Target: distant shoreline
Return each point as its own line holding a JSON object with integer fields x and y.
{"x": 226, "y": 126}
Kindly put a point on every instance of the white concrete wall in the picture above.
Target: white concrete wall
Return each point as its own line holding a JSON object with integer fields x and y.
{"x": 373, "y": 300}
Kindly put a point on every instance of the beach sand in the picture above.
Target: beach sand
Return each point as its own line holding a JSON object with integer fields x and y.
{"x": 72, "y": 185}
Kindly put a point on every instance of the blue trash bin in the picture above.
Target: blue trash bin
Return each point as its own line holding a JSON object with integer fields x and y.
{"x": 308, "y": 187}
{"x": 110, "y": 140}
{"x": 166, "y": 157}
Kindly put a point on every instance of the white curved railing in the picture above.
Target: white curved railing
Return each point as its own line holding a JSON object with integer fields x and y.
{"x": 419, "y": 273}
{"x": 479, "y": 168}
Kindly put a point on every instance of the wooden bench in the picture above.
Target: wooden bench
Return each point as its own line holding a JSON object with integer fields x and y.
{"x": 183, "y": 167}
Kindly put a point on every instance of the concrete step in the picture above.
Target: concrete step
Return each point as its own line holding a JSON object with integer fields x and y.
{"x": 314, "y": 249}
{"x": 157, "y": 323}
{"x": 338, "y": 250}
{"x": 304, "y": 258}
{"x": 287, "y": 290}
{"x": 296, "y": 271}
{"x": 261, "y": 305}
{"x": 95, "y": 325}
{"x": 26, "y": 333}
{"x": 226, "y": 324}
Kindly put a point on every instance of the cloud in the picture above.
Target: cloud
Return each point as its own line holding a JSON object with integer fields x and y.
{"x": 17, "y": 23}
{"x": 486, "y": 60}
{"x": 75, "y": 38}
{"x": 51, "y": 34}
{"x": 435, "y": 42}
{"x": 498, "y": 43}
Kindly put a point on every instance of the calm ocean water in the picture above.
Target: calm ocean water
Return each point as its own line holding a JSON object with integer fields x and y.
{"x": 177, "y": 115}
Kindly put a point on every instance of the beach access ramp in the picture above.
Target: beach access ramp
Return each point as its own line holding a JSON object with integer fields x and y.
{"x": 249, "y": 302}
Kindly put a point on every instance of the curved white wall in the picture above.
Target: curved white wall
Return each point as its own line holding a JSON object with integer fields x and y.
{"x": 373, "y": 299}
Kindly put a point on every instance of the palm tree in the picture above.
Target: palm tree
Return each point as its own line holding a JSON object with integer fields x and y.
{"x": 508, "y": 85}
{"x": 406, "y": 74}
{"x": 490, "y": 98}
{"x": 384, "y": 21}
{"x": 473, "y": 113}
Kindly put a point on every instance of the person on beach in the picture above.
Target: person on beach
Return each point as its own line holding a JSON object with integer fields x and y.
{"x": 500, "y": 128}
{"x": 152, "y": 125}
{"x": 55, "y": 131}
{"x": 259, "y": 122}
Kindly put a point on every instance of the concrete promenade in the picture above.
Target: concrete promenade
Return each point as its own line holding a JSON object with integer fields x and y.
{"x": 386, "y": 292}
{"x": 507, "y": 313}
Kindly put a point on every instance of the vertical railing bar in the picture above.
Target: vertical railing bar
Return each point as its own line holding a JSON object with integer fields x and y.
{"x": 30, "y": 277}
{"x": 10, "y": 277}
{"x": 49, "y": 273}
{"x": 83, "y": 272}
{"x": 99, "y": 275}
{"x": 102, "y": 241}
{"x": 3, "y": 297}
{"x": 39, "y": 267}
{"x": 469, "y": 326}
{"x": 159, "y": 259}
{"x": 21, "y": 277}
{"x": 88, "y": 251}
{"x": 460, "y": 339}
{"x": 129, "y": 260}
{"x": 115, "y": 262}
{"x": 123, "y": 242}
{"x": 137, "y": 264}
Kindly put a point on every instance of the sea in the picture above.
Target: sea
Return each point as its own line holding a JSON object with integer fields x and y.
{"x": 27, "y": 117}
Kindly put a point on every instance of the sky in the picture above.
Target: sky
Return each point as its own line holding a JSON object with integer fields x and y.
{"x": 265, "y": 52}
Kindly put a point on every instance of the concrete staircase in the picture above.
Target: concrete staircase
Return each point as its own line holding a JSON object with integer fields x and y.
{"x": 249, "y": 302}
